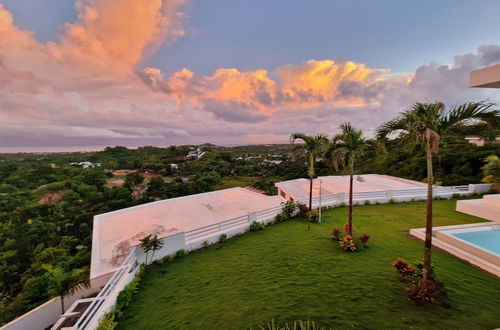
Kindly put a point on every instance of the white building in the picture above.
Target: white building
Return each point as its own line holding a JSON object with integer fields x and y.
{"x": 184, "y": 223}
{"x": 486, "y": 78}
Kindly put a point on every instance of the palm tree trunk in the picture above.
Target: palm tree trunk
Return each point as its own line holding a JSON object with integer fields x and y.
{"x": 428, "y": 222}
{"x": 350, "y": 203}
{"x": 310, "y": 192}
{"x": 152, "y": 257}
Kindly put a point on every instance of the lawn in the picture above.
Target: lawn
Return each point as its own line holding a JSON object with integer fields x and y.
{"x": 290, "y": 272}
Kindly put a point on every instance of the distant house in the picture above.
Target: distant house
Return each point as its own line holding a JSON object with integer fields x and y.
{"x": 174, "y": 166}
{"x": 195, "y": 154}
{"x": 479, "y": 141}
{"x": 86, "y": 164}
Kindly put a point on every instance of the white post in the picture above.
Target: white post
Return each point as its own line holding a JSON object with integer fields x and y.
{"x": 320, "y": 199}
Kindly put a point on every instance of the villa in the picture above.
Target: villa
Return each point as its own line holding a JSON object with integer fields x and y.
{"x": 184, "y": 223}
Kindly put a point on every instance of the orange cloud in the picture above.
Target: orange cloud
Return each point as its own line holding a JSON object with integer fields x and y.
{"x": 304, "y": 85}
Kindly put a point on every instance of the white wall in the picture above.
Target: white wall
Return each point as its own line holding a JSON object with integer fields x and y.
{"x": 46, "y": 314}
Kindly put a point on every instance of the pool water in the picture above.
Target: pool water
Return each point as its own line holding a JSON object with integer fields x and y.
{"x": 485, "y": 239}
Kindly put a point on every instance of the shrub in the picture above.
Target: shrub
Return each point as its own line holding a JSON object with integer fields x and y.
{"x": 345, "y": 227}
{"x": 412, "y": 200}
{"x": 125, "y": 296}
{"x": 205, "y": 244}
{"x": 280, "y": 217}
{"x": 437, "y": 198}
{"x": 364, "y": 238}
{"x": 368, "y": 202}
{"x": 256, "y": 226}
{"x": 223, "y": 238}
{"x": 313, "y": 216}
{"x": 107, "y": 322}
{"x": 348, "y": 244}
{"x": 335, "y": 234}
{"x": 392, "y": 201}
{"x": 302, "y": 209}
{"x": 288, "y": 209}
{"x": 167, "y": 258}
{"x": 428, "y": 292}
{"x": 180, "y": 253}
{"x": 456, "y": 195}
{"x": 403, "y": 267}
{"x": 343, "y": 204}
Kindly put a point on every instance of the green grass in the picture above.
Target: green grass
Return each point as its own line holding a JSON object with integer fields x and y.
{"x": 288, "y": 272}
{"x": 236, "y": 181}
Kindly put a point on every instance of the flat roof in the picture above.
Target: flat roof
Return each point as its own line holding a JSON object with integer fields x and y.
{"x": 115, "y": 232}
{"x": 487, "y": 77}
{"x": 298, "y": 189}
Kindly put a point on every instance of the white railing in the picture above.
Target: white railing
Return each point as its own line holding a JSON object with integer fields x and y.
{"x": 106, "y": 298}
{"x": 215, "y": 228}
{"x": 267, "y": 214}
{"x": 384, "y": 196}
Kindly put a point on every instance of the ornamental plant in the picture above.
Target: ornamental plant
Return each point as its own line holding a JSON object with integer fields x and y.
{"x": 403, "y": 267}
{"x": 335, "y": 234}
{"x": 313, "y": 216}
{"x": 348, "y": 244}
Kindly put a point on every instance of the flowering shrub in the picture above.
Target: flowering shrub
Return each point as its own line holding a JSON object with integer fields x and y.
{"x": 348, "y": 244}
{"x": 403, "y": 267}
{"x": 313, "y": 216}
{"x": 223, "y": 238}
{"x": 302, "y": 209}
{"x": 335, "y": 234}
{"x": 364, "y": 238}
{"x": 288, "y": 209}
{"x": 345, "y": 228}
{"x": 428, "y": 292}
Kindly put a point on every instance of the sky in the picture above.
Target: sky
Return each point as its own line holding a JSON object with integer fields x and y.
{"x": 96, "y": 73}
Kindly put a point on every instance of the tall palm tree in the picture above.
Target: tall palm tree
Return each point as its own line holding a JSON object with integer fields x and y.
{"x": 145, "y": 244}
{"x": 314, "y": 146}
{"x": 346, "y": 149}
{"x": 61, "y": 283}
{"x": 423, "y": 125}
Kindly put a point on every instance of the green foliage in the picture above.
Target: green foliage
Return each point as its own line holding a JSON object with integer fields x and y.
{"x": 181, "y": 253}
{"x": 223, "y": 238}
{"x": 392, "y": 201}
{"x": 313, "y": 216}
{"x": 368, "y": 202}
{"x": 491, "y": 170}
{"x": 256, "y": 226}
{"x": 132, "y": 180}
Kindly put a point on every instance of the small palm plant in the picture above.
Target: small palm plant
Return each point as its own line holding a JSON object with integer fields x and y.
{"x": 156, "y": 244}
{"x": 346, "y": 149}
{"x": 145, "y": 244}
{"x": 315, "y": 146}
{"x": 62, "y": 283}
{"x": 423, "y": 126}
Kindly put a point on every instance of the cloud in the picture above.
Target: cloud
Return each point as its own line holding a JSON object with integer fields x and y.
{"x": 86, "y": 88}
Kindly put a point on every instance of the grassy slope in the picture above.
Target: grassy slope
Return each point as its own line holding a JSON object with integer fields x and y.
{"x": 288, "y": 272}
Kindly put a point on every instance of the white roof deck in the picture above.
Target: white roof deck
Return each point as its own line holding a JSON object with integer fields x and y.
{"x": 115, "y": 232}
{"x": 298, "y": 189}
{"x": 486, "y": 78}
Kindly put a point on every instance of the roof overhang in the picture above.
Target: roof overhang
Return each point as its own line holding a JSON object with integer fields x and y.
{"x": 486, "y": 78}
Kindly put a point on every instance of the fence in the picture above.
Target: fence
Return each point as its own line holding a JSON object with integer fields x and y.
{"x": 385, "y": 196}
{"x": 194, "y": 239}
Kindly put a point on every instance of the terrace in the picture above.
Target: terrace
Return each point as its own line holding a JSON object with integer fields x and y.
{"x": 290, "y": 271}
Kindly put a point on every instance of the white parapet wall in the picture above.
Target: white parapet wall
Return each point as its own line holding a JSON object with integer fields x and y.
{"x": 46, "y": 314}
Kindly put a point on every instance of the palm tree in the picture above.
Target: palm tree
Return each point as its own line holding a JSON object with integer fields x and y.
{"x": 346, "y": 149}
{"x": 314, "y": 146}
{"x": 156, "y": 244}
{"x": 61, "y": 283}
{"x": 424, "y": 125}
{"x": 145, "y": 244}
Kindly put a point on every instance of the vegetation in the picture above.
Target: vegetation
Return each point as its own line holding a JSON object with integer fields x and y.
{"x": 348, "y": 147}
{"x": 492, "y": 171}
{"x": 315, "y": 146}
{"x": 288, "y": 272}
{"x": 423, "y": 126}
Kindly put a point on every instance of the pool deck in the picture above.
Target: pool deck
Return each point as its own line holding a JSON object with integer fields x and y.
{"x": 481, "y": 259}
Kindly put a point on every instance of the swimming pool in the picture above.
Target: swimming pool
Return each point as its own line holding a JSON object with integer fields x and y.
{"x": 488, "y": 239}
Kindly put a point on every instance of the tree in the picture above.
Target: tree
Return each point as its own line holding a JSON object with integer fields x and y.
{"x": 151, "y": 243}
{"x": 145, "y": 244}
{"x": 133, "y": 179}
{"x": 61, "y": 283}
{"x": 314, "y": 146}
{"x": 491, "y": 171}
{"x": 346, "y": 149}
{"x": 423, "y": 125}
{"x": 156, "y": 244}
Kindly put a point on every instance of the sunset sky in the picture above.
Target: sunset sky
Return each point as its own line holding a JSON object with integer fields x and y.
{"x": 95, "y": 73}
